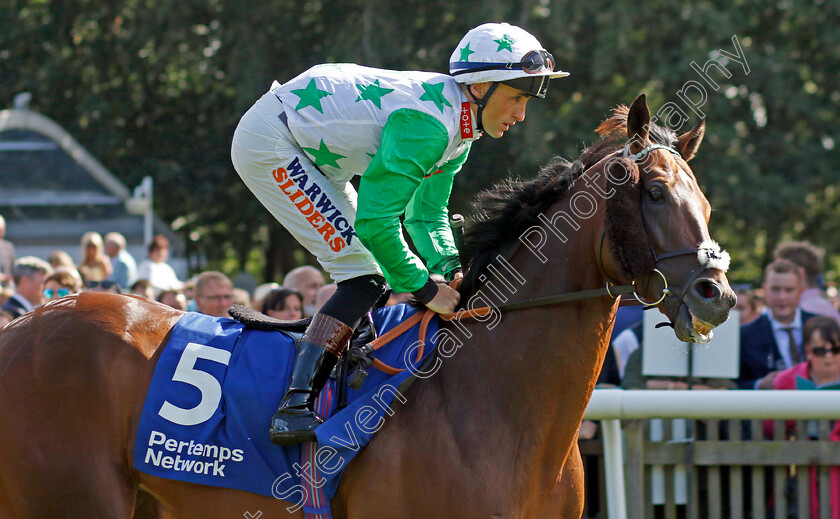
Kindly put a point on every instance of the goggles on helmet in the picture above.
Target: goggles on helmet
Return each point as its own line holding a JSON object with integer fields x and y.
{"x": 534, "y": 62}
{"x": 536, "y": 86}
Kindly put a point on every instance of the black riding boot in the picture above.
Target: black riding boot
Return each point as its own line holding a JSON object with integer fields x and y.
{"x": 318, "y": 351}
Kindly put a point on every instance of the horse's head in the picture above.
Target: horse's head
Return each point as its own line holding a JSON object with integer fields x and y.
{"x": 657, "y": 225}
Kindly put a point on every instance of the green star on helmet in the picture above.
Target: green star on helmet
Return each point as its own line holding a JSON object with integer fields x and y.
{"x": 505, "y": 43}
{"x": 434, "y": 93}
{"x": 465, "y": 53}
{"x": 373, "y": 93}
{"x": 310, "y": 96}
{"x": 324, "y": 157}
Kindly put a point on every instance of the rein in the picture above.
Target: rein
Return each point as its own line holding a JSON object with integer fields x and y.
{"x": 425, "y": 317}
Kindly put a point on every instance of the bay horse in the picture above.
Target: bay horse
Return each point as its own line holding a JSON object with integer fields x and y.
{"x": 490, "y": 432}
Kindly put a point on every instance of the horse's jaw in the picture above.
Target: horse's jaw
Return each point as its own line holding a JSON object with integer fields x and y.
{"x": 690, "y": 328}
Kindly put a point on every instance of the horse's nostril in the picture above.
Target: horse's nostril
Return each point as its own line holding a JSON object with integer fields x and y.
{"x": 707, "y": 289}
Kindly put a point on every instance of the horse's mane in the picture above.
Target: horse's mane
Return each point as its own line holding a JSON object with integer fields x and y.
{"x": 503, "y": 212}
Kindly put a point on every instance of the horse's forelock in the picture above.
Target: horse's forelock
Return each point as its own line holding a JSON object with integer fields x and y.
{"x": 616, "y": 126}
{"x": 616, "y": 123}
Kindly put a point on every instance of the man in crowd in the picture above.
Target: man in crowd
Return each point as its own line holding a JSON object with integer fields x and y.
{"x": 7, "y": 255}
{"x": 213, "y": 293}
{"x": 29, "y": 274}
{"x": 773, "y": 342}
{"x": 307, "y": 280}
{"x": 809, "y": 258}
{"x": 124, "y": 271}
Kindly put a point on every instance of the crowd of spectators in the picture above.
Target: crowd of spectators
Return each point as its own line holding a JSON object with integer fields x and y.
{"x": 772, "y": 316}
{"x": 789, "y": 326}
{"x": 107, "y": 265}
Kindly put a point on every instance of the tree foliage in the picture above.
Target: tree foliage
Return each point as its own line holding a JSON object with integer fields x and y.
{"x": 156, "y": 87}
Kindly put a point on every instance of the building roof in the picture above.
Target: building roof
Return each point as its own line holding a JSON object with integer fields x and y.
{"x": 52, "y": 190}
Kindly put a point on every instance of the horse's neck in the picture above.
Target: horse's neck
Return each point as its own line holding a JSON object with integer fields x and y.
{"x": 528, "y": 375}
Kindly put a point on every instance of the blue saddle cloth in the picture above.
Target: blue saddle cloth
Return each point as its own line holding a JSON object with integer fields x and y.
{"x": 217, "y": 384}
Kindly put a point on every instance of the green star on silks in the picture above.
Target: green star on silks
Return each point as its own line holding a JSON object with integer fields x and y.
{"x": 434, "y": 93}
{"x": 324, "y": 157}
{"x": 465, "y": 53}
{"x": 373, "y": 92}
{"x": 505, "y": 43}
{"x": 310, "y": 96}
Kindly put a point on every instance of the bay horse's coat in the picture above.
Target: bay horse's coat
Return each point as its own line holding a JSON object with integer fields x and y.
{"x": 491, "y": 434}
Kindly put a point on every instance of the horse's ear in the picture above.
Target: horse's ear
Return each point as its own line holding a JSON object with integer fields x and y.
{"x": 688, "y": 142}
{"x": 638, "y": 124}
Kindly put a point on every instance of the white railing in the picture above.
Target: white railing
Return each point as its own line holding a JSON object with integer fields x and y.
{"x": 612, "y": 405}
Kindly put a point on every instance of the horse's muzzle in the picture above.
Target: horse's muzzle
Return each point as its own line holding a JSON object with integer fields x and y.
{"x": 704, "y": 305}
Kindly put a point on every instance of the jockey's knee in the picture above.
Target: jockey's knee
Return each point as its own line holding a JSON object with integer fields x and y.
{"x": 353, "y": 298}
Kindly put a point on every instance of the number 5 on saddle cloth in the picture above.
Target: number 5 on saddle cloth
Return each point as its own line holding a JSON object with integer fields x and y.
{"x": 217, "y": 380}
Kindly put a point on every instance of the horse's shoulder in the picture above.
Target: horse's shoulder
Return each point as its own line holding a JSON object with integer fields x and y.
{"x": 132, "y": 319}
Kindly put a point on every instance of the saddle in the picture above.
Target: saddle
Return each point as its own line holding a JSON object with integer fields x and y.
{"x": 259, "y": 321}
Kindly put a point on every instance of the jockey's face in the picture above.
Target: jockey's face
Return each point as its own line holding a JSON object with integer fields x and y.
{"x": 505, "y": 108}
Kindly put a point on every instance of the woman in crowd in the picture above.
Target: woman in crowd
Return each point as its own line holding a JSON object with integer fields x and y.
{"x": 821, "y": 339}
{"x": 61, "y": 260}
{"x": 60, "y": 284}
{"x": 155, "y": 268}
{"x": 283, "y": 303}
{"x": 174, "y": 298}
{"x": 821, "y": 369}
{"x": 95, "y": 264}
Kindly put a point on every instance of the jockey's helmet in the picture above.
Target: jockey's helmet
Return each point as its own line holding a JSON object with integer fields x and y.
{"x": 500, "y": 52}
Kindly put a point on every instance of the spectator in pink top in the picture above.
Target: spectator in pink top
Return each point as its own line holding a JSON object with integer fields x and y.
{"x": 821, "y": 338}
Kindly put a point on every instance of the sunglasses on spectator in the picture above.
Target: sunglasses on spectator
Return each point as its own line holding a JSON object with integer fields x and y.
{"x": 50, "y": 292}
{"x": 218, "y": 297}
{"x": 822, "y": 351}
{"x": 106, "y": 285}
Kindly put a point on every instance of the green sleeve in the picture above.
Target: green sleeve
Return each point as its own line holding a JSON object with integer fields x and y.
{"x": 412, "y": 143}
{"x": 427, "y": 219}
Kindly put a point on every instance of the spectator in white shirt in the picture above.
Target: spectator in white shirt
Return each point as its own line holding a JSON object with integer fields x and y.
{"x": 156, "y": 270}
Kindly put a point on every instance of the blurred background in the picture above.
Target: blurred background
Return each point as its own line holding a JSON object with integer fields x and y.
{"x": 155, "y": 88}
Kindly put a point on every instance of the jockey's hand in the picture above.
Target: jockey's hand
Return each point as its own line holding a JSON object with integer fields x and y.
{"x": 445, "y": 300}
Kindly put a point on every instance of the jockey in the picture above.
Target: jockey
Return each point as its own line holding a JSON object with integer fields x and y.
{"x": 406, "y": 134}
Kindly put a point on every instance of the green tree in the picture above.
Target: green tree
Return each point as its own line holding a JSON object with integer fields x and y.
{"x": 156, "y": 87}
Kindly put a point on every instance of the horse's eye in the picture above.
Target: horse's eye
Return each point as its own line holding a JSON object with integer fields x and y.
{"x": 656, "y": 194}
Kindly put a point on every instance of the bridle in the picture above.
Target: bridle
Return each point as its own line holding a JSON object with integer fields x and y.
{"x": 613, "y": 289}
{"x": 708, "y": 252}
